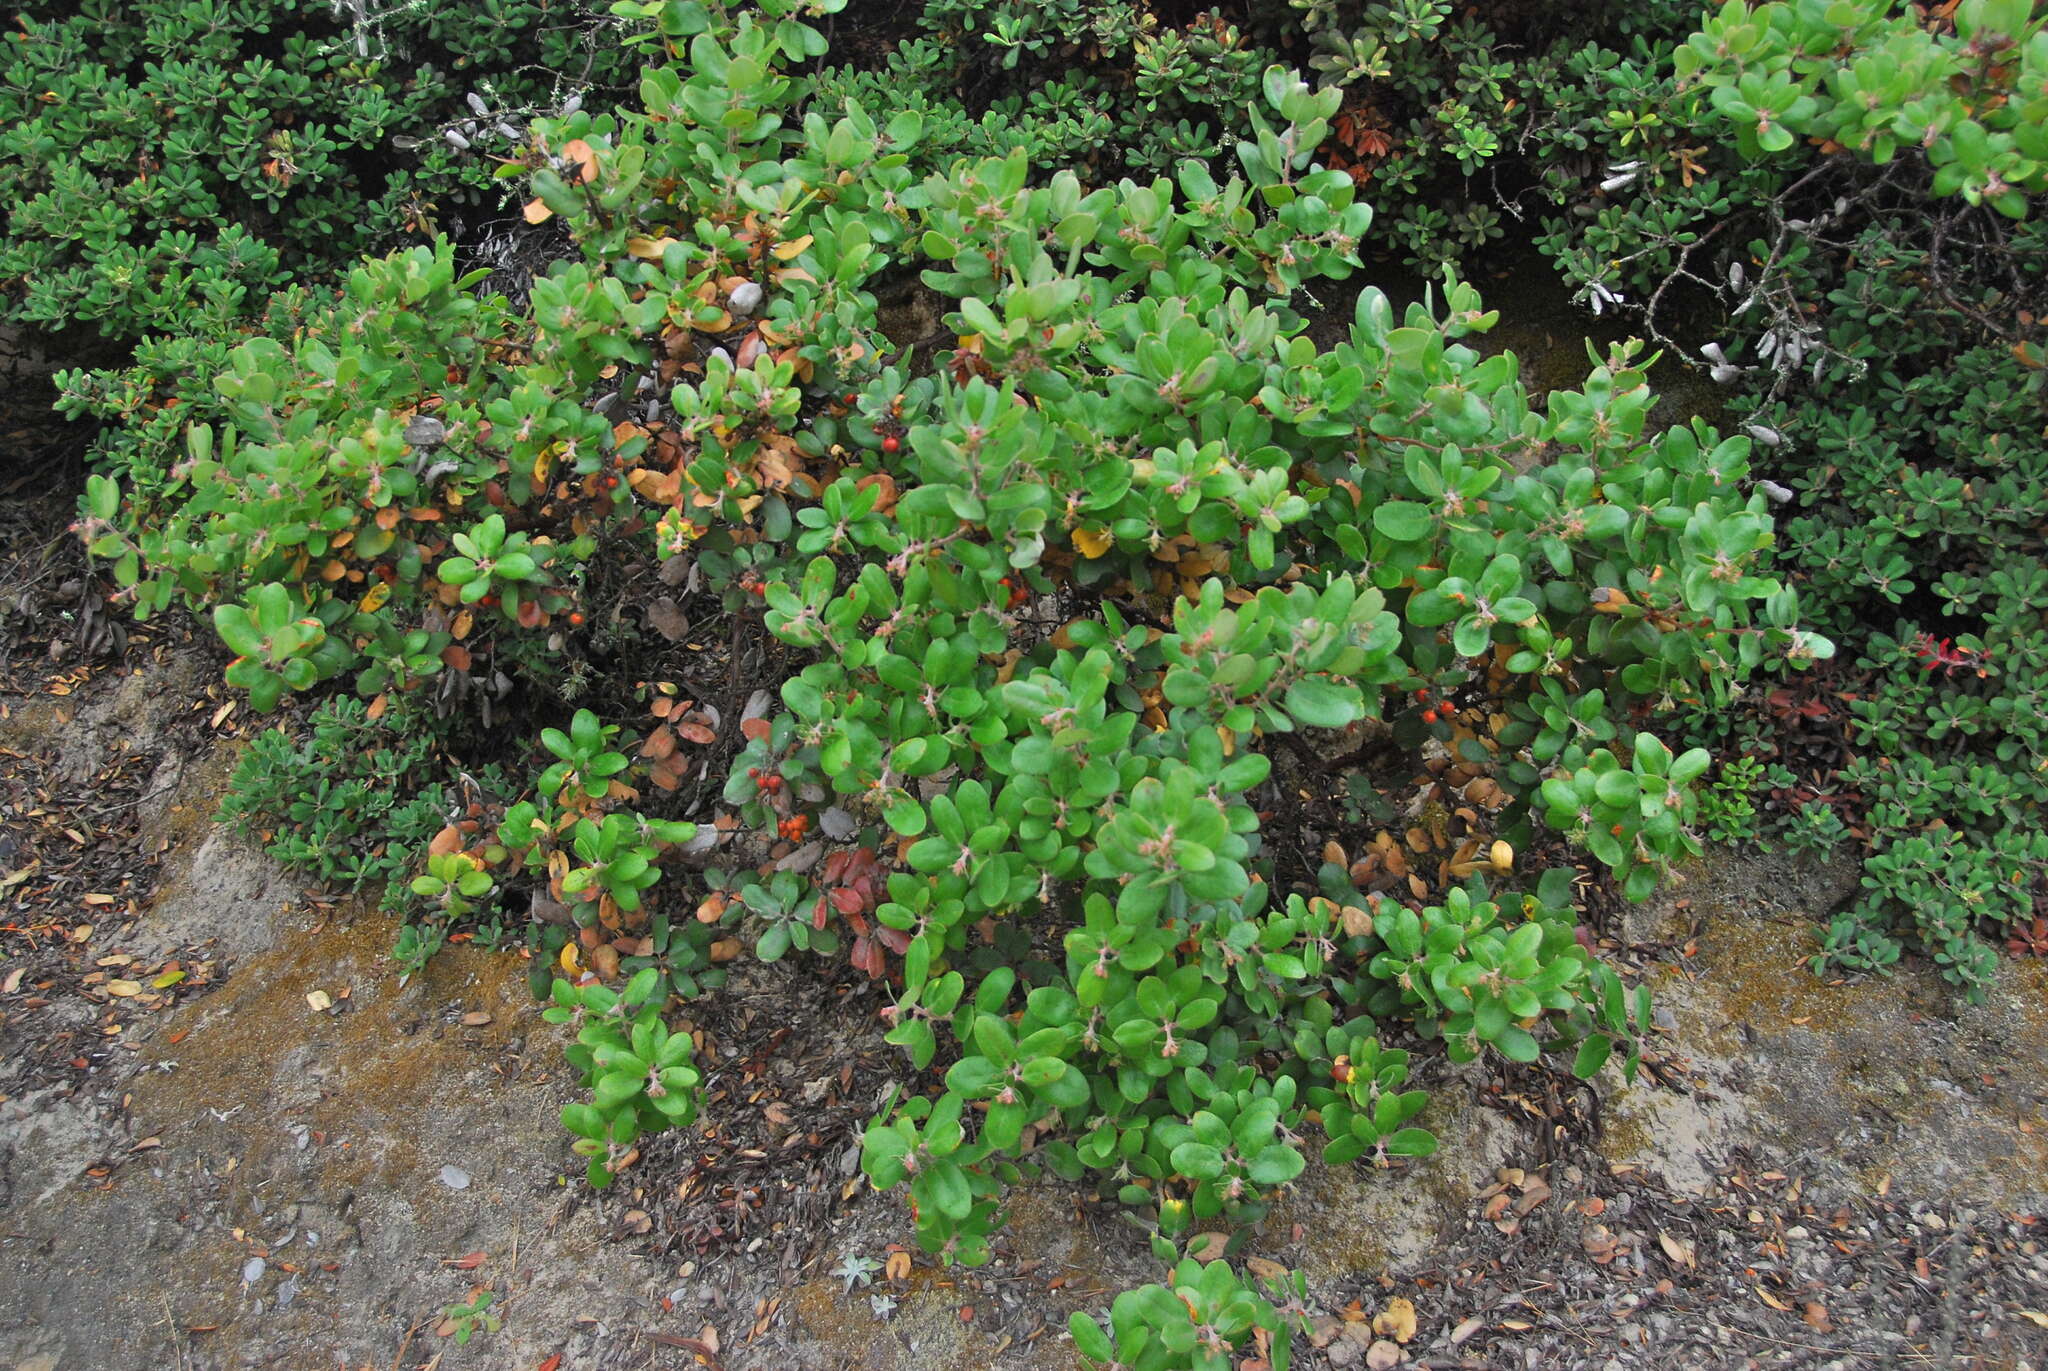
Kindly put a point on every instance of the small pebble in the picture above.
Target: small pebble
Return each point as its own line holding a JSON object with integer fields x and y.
{"x": 455, "y": 1178}
{"x": 253, "y": 1269}
{"x": 745, "y": 298}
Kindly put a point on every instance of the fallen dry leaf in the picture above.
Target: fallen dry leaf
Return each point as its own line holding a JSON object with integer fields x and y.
{"x": 319, "y": 1001}
{"x": 2033, "y": 1316}
{"x": 1384, "y": 1356}
{"x": 897, "y": 1268}
{"x": 1396, "y": 1321}
{"x": 476, "y": 1018}
{"x": 1678, "y": 1249}
{"x": 1208, "y": 1247}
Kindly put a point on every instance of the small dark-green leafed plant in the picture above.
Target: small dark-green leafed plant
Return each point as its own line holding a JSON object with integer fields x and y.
{"x": 1728, "y": 803}
{"x": 165, "y": 164}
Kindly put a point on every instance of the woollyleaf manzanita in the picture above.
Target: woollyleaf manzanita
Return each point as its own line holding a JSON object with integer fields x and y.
{"x": 1047, "y": 607}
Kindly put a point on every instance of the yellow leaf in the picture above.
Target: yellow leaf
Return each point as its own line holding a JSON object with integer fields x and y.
{"x": 791, "y": 249}
{"x": 1092, "y": 542}
{"x": 569, "y": 958}
{"x": 649, "y": 248}
{"x": 167, "y": 980}
{"x": 374, "y": 598}
{"x": 1397, "y": 1320}
{"x": 2033, "y": 1316}
{"x": 124, "y": 988}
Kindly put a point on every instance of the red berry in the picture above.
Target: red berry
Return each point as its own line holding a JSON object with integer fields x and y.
{"x": 892, "y": 444}
{"x": 1429, "y": 716}
{"x": 851, "y": 398}
{"x": 1422, "y": 696}
{"x": 575, "y": 617}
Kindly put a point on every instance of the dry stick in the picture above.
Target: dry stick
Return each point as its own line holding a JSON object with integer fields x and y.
{"x": 171, "y": 1321}
{"x": 404, "y": 1343}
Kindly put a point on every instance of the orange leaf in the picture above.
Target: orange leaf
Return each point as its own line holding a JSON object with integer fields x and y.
{"x": 537, "y": 212}
{"x": 581, "y": 153}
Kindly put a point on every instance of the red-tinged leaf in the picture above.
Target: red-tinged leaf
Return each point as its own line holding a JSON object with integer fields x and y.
{"x": 469, "y": 1261}
{"x": 754, "y": 730}
{"x": 551, "y": 1364}
{"x": 820, "y": 912}
{"x": 448, "y": 840}
{"x": 846, "y": 900}
{"x": 696, "y": 733}
{"x": 897, "y": 940}
{"x": 455, "y": 657}
{"x": 660, "y": 743}
{"x": 867, "y": 956}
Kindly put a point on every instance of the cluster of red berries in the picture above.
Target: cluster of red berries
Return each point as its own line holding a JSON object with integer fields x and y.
{"x": 768, "y": 781}
{"x": 1018, "y": 593}
{"x": 794, "y": 826}
{"x": 1433, "y": 709}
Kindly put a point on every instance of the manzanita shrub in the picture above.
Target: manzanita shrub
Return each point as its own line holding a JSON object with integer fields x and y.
{"x": 1058, "y": 599}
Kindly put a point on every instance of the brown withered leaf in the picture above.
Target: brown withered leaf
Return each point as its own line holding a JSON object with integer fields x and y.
{"x": 666, "y": 617}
